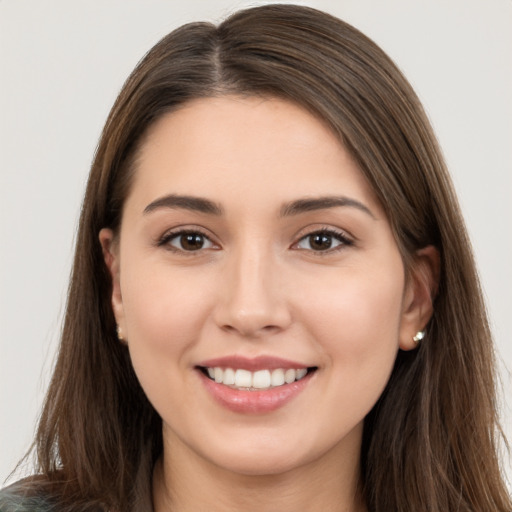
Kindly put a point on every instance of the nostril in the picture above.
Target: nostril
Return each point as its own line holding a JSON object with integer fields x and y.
{"x": 249, "y": 331}
{"x": 271, "y": 328}
{"x": 228, "y": 328}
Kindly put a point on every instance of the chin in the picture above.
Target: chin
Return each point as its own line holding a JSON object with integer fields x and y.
{"x": 259, "y": 465}
{"x": 263, "y": 454}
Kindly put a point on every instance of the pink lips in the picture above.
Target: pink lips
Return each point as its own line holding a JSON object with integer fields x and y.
{"x": 253, "y": 402}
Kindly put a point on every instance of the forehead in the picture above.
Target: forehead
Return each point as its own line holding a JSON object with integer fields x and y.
{"x": 252, "y": 147}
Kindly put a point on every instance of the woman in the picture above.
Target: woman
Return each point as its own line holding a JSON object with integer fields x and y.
{"x": 273, "y": 303}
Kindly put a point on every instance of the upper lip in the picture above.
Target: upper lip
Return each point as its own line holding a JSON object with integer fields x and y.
{"x": 252, "y": 364}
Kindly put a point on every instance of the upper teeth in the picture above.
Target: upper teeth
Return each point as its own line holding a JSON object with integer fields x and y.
{"x": 261, "y": 379}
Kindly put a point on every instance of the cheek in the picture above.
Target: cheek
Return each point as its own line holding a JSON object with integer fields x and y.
{"x": 355, "y": 325}
{"x": 355, "y": 321}
{"x": 163, "y": 310}
{"x": 359, "y": 306}
{"x": 164, "y": 313}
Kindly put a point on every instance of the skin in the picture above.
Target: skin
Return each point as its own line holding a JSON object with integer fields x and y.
{"x": 258, "y": 287}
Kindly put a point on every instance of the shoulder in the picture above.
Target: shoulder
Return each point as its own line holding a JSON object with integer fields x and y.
{"x": 13, "y": 499}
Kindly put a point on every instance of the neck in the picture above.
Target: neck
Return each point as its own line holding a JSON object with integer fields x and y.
{"x": 185, "y": 482}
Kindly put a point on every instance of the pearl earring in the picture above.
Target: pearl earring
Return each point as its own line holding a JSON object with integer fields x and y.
{"x": 119, "y": 333}
{"x": 418, "y": 337}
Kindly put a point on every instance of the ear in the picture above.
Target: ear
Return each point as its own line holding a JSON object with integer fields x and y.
{"x": 420, "y": 291}
{"x": 110, "y": 247}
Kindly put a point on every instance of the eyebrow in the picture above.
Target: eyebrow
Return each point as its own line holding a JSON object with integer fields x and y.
{"x": 174, "y": 201}
{"x": 202, "y": 205}
{"x": 321, "y": 203}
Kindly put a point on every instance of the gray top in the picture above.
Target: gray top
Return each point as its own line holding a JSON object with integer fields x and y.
{"x": 12, "y": 501}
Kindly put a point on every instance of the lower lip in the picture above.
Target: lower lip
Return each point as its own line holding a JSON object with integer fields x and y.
{"x": 255, "y": 402}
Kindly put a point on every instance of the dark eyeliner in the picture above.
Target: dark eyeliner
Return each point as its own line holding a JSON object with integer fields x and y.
{"x": 164, "y": 240}
{"x": 339, "y": 235}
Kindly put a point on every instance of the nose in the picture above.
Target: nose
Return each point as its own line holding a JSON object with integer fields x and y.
{"x": 252, "y": 300}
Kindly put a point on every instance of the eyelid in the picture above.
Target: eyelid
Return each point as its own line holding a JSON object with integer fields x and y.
{"x": 337, "y": 233}
{"x": 164, "y": 239}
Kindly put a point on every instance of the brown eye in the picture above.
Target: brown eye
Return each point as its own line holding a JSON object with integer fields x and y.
{"x": 322, "y": 241}
{"x": 192, "y": 242}
{"x": 189, "y": 241}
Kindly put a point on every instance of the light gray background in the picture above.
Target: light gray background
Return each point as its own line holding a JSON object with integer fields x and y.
{"x": 63, "y": 62}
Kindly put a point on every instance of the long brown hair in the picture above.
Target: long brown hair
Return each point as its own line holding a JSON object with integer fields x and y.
{"x": 430, "y": 441}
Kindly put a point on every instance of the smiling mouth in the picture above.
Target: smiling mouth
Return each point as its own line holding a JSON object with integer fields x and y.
{"x": 246, "y": 380}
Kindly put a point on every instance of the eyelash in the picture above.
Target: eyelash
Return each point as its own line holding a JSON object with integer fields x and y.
{"x": 165, "y": 240}
{"x": 340, "y": 236}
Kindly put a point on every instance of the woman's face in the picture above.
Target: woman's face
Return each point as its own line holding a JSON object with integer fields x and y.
{"x": 258, "y": 286}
